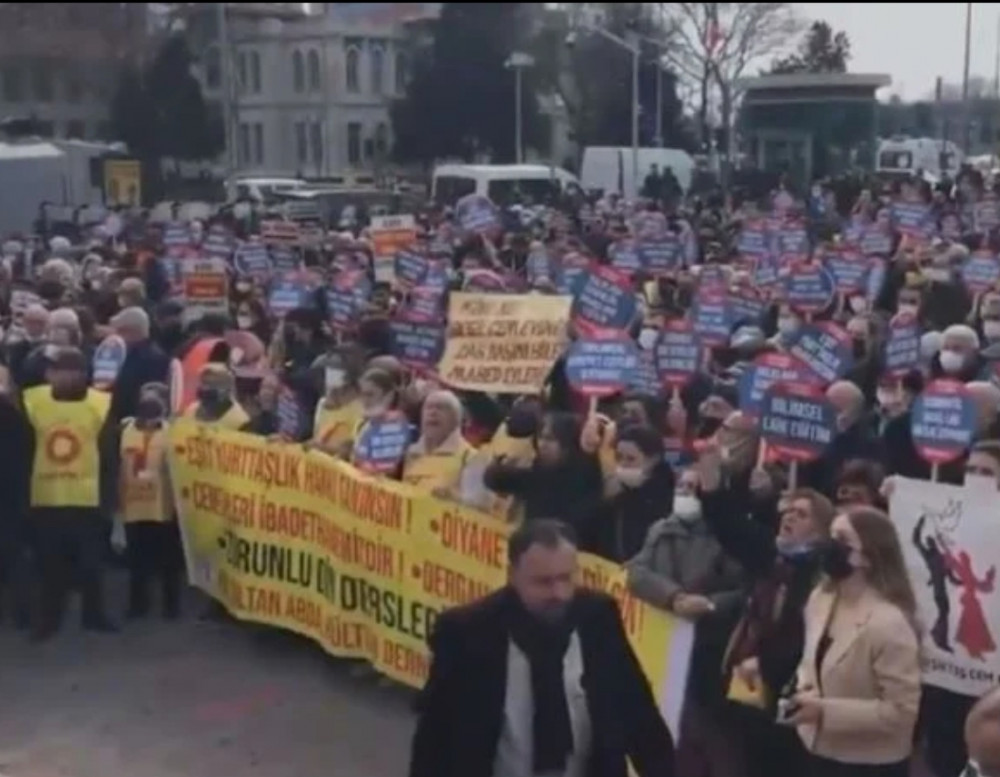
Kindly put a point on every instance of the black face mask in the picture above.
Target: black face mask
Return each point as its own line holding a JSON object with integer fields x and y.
{"x": 835, "y": 560}
{"x": 860, "y": 347}
{"x": 212, "y": 397}
{"x": 149, "y": 410}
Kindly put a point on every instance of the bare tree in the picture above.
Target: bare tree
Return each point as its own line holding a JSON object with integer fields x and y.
{"x": 715, "y": 43}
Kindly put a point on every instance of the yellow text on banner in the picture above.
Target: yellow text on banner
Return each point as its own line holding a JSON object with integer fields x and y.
{"x": 363, "y": 566}
{"x": 503, "y": 343}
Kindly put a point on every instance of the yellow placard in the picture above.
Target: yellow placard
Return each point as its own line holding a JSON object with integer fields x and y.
{"x": 122, "y": 182}
{"x": 503, "y": 343}
{"x": 363, "y": 566}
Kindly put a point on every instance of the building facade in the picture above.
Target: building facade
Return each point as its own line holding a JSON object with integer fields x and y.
{"x": 60, "y": 63}
{"x": 311, "y": 92}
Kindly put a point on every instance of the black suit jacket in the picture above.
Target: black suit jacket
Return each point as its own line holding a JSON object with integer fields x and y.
{"x": 462, "y": 705}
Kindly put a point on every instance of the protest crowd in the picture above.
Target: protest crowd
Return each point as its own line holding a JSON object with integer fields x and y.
{"x": 778, "y": 415}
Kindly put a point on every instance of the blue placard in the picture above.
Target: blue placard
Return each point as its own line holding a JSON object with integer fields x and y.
{"x": 809, "y": 288}
{"x": 849, "y": 271}
{"x": 284, "y": 259}
{"x": 766, "y": 370}
{"x": 411, "y": 268}
{"x": 875, "y": 280}
{"x": 765, "y": 271}
{"x": 599, "y": 368}
{"x": 912, "y": 218}
{"x": 342, "y": 308}
{"x": 793, "y": 239}
{"x": 753, "y": 238}
{"x": 477, "y": 214}
{"x": 287, "y": 294}
{"x": 573, "y": 270}
{"x": 108, "y": 359}
{"x": 540, "y": 268}
{"x": 177, "y": 234}
{"x": 290, "y": 415}
{"x": 745, "y": 306}
{"x": 875, "y": 241}
{"x": 712, "y": 318}
{"x": 424, "y": 304}
{"x": 625, "y": 256}
{"x": 797, "y": 421}
{"x": 382, "y": 443}
{"x": 661, "y": 255}
{"x": 981, "y": 271}
{"x": 678, "y": 354}
{"x": 604, "y": 301}
{"x": 643, "y": 380}
{"x": 417, "y": 344}
{"x": 218, "y": 242}
{"x": 943, "y": 421}
{"x": 252, "y": 260}
{"x": 825, "y": 349}
{"x": 902, "y": 346}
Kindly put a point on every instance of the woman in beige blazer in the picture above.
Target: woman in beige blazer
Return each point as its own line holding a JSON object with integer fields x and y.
{"x": 858, "y": 684}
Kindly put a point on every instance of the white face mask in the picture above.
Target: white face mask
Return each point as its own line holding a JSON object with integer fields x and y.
{"x": 244, "y": 322}
{"x": 630, "y": 476}
{"x": 858, "y": 304}
{"x": 981, "y": 483}
{"x": 334, "y": 378}
{"x": 991, "y": 329}
{"x": 909, "y": 310}
{"x": 647, "y": 339}
{"x": 788, "y": 325}
{"x": 687, "y": 507}
{"x": 951, "y": 361}
{"x": 937, "y": 274}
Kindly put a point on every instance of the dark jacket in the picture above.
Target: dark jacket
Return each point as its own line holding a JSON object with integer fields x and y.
{"x": 901, "y": 457}
{"x": 778, "y": 637}
{"x": 618, "y": 528}
{"x": 858, "y": 442}
{"x": 461, "y": 708}
{"x": 144, "y": 363}
{"x": 567, "y": 492}
{"x": 15, "y": 464}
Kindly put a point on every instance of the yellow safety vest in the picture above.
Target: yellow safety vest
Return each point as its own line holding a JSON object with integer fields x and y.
{"x": 336, "y": 426}
{"x": 428, "y": 471}
{"x": 143, "y": 485}
{"x": 234, "y": 419}
{"x": 67, "y": 465}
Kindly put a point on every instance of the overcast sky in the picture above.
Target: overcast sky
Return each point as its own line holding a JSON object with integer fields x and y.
{"x": 914, "y": 42}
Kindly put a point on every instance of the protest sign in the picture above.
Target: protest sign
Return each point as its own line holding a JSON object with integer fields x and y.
{"x": 252, "y": 260}
{"x": 643, "y": 380}
{"x": 285, "y": 260}
{"x": 424, "y": 304}
{"x": 410, "y": 268}
{"x": 943, "y": 421}
{"x": 390, "y": 235}
{"x": 484, "y": 282}
{"x": 797, "y": 421}
{"x": 601, "y": 367}
{"x": 985, "y": 215}
{"x": 981, "y": 271}
{"x": 176, "y": 237}
{"x": 541, "y": 268}
{"x": 809, "y": 287}
{"x": 218, "y": 242}
{"x": 765, "y": 271}
{"x": 753, "y": 238}
{"x": 286, "y": 294}
{"x": 768, "y": 369}
{"x": 382, "y": 442}
{"x": 604, "y": 301}
{"x": 204, "y": 287}
{"x": 107, "y": 361}
{"x": 950, "y": 545}
{"x": 503, "y": 343}
{"x": 345, "y": 299}
{"x": 678, "y": 354}
{"x": 477, "y": 214}
{"x": 416, "y": 343}
{"x": 301, "y": 541}
{"x": 573, "y": 267}
{"x": 902, "y": 346}
{"x": 626, "y": 256}
{"x": 792, "y": 239}
{"x": 711, "y": 317}
{"x": 876, "y": 241}
{"x": 661, "y": 255}
{"x": 875, "y": 280}
{"x": 849, "y": 270}
{"x": 912, "y": 219}
{"x": 746, "y": 306}
{"x": 277, "y": 232}
{"x": 825, "y": 349}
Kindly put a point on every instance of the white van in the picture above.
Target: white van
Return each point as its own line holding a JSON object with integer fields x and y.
{"x": 900, "y": 156}
{"x": 498, "y": 182}
{"x": 261, "y": 189}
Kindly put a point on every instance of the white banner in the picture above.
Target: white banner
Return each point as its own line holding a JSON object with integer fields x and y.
{"x": 951, "y": 543}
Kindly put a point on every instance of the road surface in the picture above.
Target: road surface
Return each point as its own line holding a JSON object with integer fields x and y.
{"x": 192, "y": 699}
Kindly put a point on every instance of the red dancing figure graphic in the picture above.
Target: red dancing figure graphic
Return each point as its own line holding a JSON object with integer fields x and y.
{"x": 973, "y": 632}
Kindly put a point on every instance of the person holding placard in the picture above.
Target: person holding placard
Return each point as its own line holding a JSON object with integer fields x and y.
{"x": 339, "y": 412}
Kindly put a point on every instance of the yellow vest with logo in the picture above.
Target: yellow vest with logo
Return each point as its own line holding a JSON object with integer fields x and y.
{"x": 336, "y": 426}
{"x": 428, "y": 471}
{"x": 144, "y": 489}
{"x": 234, "y": 419}
{"x": 67, "y": 463}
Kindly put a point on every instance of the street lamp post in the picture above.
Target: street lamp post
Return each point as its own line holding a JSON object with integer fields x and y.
{"x": 517, "y": 62}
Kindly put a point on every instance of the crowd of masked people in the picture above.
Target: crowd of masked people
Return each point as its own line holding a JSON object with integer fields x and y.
{"x": 807, "y": 638}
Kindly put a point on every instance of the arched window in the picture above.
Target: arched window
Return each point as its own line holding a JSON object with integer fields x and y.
{"x": 298, "y": 72}
{"x": 381, "y": 140}
{"x": 351, "y": 70}
{"x": 255, "y": 74}
{"x": 401, "y": 74}
{"x": 378, "y": 66}
{"x": 314, "y": 76}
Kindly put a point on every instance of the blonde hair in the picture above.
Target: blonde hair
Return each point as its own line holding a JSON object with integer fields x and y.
{"x": 880, "y": 544}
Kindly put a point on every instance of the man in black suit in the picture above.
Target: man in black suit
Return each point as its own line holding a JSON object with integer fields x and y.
{"x": 538, "y": 679}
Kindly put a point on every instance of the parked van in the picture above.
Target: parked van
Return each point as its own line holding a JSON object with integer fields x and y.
{"x": 901, "y": 156}
{"x": 498, "y": 182}
{"x": 261, "y": 189}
